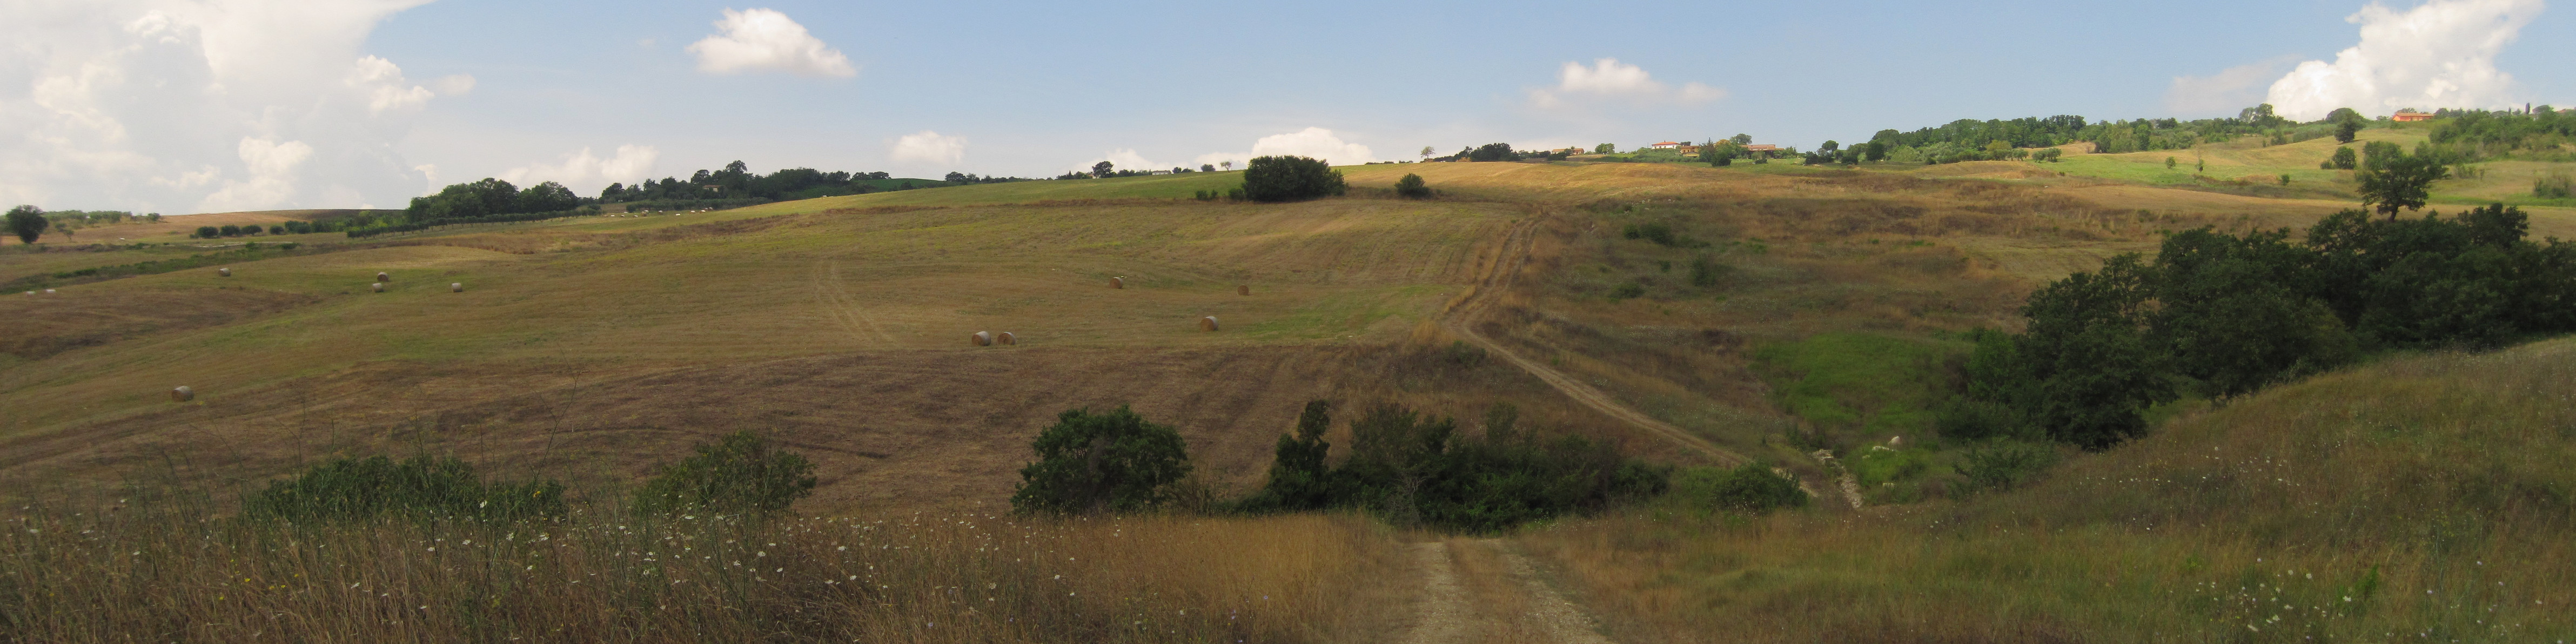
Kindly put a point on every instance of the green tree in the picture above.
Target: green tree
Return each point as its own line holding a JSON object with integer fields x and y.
{"x": 739, "y": 473}
{"x": 1298, "y": 478}
{"x": 1720, "y": 154}
{"x": 2345, "y": 131}
{"x": 546, "y": 197}
{"x": 1426, "y": 152}
{"x": 2343, "y": 159}
{"x": 1291, "y": 178}
{"x": 1411, "y": 187}
{"x": 2169, "y": 163}
{"x": 1493, "y": 152}
{"x": 1874, "y": 151}
{"x": 2229, "y": 314}
{"x": 1090, "y": 463}
{"x": 1103, "y": 169}
{"x": 209, "y": 232}
{"x": 1605, "y": 148}
{"x": 2087, "y": 357}
{"x": 28, "y": 223}
{"x": 1742, "y": 139}
{"x": 2400, "y": 182}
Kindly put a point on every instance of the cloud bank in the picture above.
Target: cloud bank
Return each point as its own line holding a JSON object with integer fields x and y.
{"x": 2225, "y": 92}
{"x": 929, "y": 148}
{"x": 1609, "y": 79}
{"x": 766, "y": 40}
{"x": 203, "y": 105}
{"x": 587, "y": 173}
{"x": 2438, "y": 55}
{"x": 1312, "y": 142}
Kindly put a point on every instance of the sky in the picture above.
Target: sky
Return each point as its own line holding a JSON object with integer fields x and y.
{"x": 220, "y": 105}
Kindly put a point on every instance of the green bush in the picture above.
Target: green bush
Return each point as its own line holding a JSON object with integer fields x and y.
{"x": 1299, "y": 479}
{"x": 1654, "y": 231}
{"x": 738, "y": 474}
{"x": 421, "y": 486}
{"x": 1627, "y": 290}
{"x": 1705, "y": 272}
{"x": 209, "y": 232}
{"x": 1291, "y": 178}
{"x": 1415, "y": 470}
{"x": 1091, "y": 463}
{"x": 1751, "y": 487}
{"x": 2004, "y": 464}
{"x": 1411, "y": 187}
{"x": 2554, "y": 186}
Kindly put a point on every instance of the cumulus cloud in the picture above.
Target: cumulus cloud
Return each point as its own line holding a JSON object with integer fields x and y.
{"x": 766, "y": 40}
{"x": 1312, "y": 142}
{"x": 2441, "y": 54}
{"x": 1609, "y": 79}
{"x": 587, "y": 173}
{"x": 169, "y": 105}
{"x": 929, "y": 148}
{"x": 2225, "y": 92}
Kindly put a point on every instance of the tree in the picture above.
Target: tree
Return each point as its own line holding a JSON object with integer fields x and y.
{"x": 2348, "y": 123}
{"x": 1493, "y": 152}
{"x": 740, "y": 473}
{"x": 1605, "y": 148}
{"x": 1207, "y": 167}
{"x": 1742, "y": 139}
{"x": 1298, "y": 478}
{"x": 2229, "y": 314}
{"x": 209, "y": 232}
{"x": 1411, "y": 187}
{"x": 2169, "y": 163}
{"x": 2343, "y": 159}
{"x": 1721, "y": 154}
{"x": 1103, "y": 169}
{"x": 1426, "y": 152}
{"x": 546, "y": 197}
{"x": 2090, "y": 369}
{"x": 28, "y": 223}
{"x": 1874, "y": 151}
{"x": 1090, "y": 463}
{"x": 1290, "y": 178}
{"x": 2399, "y": 183}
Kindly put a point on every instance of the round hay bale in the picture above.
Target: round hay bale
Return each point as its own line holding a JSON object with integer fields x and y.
{"x": 1006, "y": 338}
{"x": 225, "y": 272}
{"x": 1243, "y": 289}
{"x": 183, "y": 394}
{"x": 983, "y": 339}
{"x": 379, "y": 287}
{"x": 382, "y": 277}
{"x": 1117, "y": 282}
{"x": 49, "y": 291}
{"x": 1207, "y": 323}
{"x": 456, "y": 287}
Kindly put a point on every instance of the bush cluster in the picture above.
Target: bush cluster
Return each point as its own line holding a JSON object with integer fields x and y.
{"x": 1291, "y": 178}
{"x": 1417, "y": 470}
{"x": 2224, "y": 315}
{"x": 1750, "y": 488}
{"x": 1092, "y": 463}
{"x": 420, "y": 487}
{"x": 740, "y": 473}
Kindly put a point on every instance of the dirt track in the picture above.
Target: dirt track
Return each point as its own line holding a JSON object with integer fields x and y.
{"x": 1496, "y": 277}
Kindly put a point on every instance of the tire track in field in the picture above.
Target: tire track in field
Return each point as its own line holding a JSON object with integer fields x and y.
{"x": 1495, "y": 279}
{"x": 832, "y": 294}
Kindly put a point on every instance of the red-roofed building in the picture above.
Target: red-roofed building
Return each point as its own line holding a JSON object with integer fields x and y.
{"x": 2410, "y": 116}
{"x": 1667, "y": 145}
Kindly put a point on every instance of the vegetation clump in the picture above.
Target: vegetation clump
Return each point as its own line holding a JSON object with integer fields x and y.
{"x": 1291, "y": 178}
{"x": 1750, "y": 488}
{"x": 1417, "y": 470}
{"x": 741, "y": 473}
{"x": 27, "y": 222}
{"x": 1412, "y": 187}
{"x": 365, "y": 488}
{"x": 1095, "y": 463}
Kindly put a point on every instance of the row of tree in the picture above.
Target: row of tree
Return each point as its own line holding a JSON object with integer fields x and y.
{"x": 2222, "y": 315}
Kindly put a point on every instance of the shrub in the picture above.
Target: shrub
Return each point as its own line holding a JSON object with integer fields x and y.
{"x": 277, "y": 230}
{"x": 740, "y": 473}
{"x": 2554, "y": 186}
{"x": 1493, "y": 152}
{"x": 1411, "y": 187}
{"x": 1747, "y": 488}
{"x": 1654, "y": 231}
{"x": 1705, "y": 271}
{"x": 1114, "y": 462}
{"x": 229, "y": 230}
{"x": 1627, "y": 290}
{"x": 355, "y": 488}
{"x": 2005, "y": 464}
{"x": 28, "y": 223}
{"x": 1415, "y": 470}
{"x": 1290, "y": 178}
{"x": 209, "y": 232}
{"x": 1298, "y": 478}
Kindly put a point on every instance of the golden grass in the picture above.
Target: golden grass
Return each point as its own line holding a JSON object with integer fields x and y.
{"x": 141, "y": 573}
{"x": 2423, "y": 498}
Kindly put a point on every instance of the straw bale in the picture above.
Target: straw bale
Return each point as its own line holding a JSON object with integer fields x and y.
{"x": 1117, "y": 282}
{"x": 1243, "y": 289}
{"x": 1207, "y": 323}
{"x": 383, "y": 277}
{"x": 456, "y": 287}
{"x": 49, "y": 291}
{"x": 379, "y": 286}
{"x": 183, "y": 394}
{"x": 983, "y": 339}
{"x": 226, "y": 272}
{"x": 1007, "y": 338}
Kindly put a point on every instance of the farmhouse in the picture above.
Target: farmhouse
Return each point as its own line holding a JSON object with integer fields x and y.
{"x": 2409, "y": 116}
{"x": 1667, "y": 145}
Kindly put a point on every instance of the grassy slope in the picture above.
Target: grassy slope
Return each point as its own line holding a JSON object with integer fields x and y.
{"x": 2422, "y": 497}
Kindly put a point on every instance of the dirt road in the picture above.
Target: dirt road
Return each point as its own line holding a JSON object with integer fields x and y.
{"x": 1496, "y": 278}
{"x": 1479, "y": 590}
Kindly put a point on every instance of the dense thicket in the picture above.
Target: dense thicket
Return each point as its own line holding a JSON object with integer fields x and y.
{"x": 1291, "y": 178}
{"x": 1092, "y": 463}
{"x": 2223, "y": 315}
{"x": 1418, "y": 470}
{"x": 2471, "y": 135}
{"x": 1970, "y": 139}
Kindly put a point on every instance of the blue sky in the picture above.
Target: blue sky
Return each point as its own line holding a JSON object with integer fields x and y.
{"x": 556, "y": 90}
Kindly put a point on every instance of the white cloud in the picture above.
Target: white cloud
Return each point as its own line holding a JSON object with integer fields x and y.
{"x": 2441, "y": 54}
{"x": 929, "y": 148}
{"x": 2225, "y": 92}
{"x": 1610, "y": 79}
{"x": 1312, "y": 142}
{"x": 766, "y": 40}
{"x": 272, "y": 176}
{"x": 586, "y": 173}
{"x": 1125, "y": 159}
{"x": 454, "y": 84}
{"x": 165, "y": 105}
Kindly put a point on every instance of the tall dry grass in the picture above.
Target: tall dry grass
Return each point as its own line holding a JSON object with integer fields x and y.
{"x": 2427, "y": 498}
{"x": 149, "y": 572}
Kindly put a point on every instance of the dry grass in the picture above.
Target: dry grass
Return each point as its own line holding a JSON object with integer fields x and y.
{"x": 2427, "y": 497}
{"x": 140, "y": 573}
